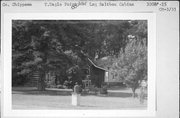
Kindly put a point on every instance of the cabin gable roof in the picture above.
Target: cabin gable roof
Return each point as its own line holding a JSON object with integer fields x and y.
{"x": 96, "y": 65}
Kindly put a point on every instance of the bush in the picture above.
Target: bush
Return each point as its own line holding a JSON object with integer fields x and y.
{"x": 52, "y": 86}
{"x": 19, "y": 80}
{"x": 93, "y": 89}
{"x": 103, "y": 90}
{"x": 60, "y": 86}
{"x": 77, "y": 89}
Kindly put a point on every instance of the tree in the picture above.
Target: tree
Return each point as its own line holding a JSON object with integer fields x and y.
{"x": 35, "y": 48}
{"x": 41, "y": 45}
{"x": 132, "y": 63}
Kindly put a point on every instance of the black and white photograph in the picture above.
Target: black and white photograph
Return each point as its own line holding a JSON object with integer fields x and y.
{"x": 85, "y": 64}
{"x": 86, "y": 59}
{"x": 79, "y": 64}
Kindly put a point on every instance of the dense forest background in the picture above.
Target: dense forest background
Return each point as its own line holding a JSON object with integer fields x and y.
{"x": 63, "y": 47}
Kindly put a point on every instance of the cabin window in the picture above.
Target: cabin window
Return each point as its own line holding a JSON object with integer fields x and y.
{"x": 106, "y": 74}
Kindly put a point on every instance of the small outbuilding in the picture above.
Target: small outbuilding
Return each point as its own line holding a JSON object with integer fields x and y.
{"x": 97, "y": 74}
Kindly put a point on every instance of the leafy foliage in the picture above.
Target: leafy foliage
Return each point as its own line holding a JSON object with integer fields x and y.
{"x": 132, "y": 63}
{"x": 63, "y": 47}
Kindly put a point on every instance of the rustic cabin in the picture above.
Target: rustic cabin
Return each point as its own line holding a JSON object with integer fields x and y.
{"x": 97, "y": 74}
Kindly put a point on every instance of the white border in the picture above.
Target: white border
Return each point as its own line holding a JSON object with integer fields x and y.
{"x": 6, "y": 52}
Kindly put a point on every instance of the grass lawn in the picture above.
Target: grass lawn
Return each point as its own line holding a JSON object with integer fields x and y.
{"x": 61, "y": 99}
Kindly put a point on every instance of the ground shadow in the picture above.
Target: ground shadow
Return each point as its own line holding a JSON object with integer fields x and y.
{"x": 119, "y": 94}
{"x": 110, "y": 94}
{"x": 113, "y": 94}
{"x": 69, "y": 93}
{"x": 58, "y": 92}
{"x": 46, "y": 92}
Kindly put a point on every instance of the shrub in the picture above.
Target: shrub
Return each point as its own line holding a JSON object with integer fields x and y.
{"x": 103, "y": 89}
{"x": 60, "y": 86}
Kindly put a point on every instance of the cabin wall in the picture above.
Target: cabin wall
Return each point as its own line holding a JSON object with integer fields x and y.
{"x": 97, "y": 76}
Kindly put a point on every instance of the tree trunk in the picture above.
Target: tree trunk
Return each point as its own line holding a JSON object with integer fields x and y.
{"x": 41, "y": 83}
